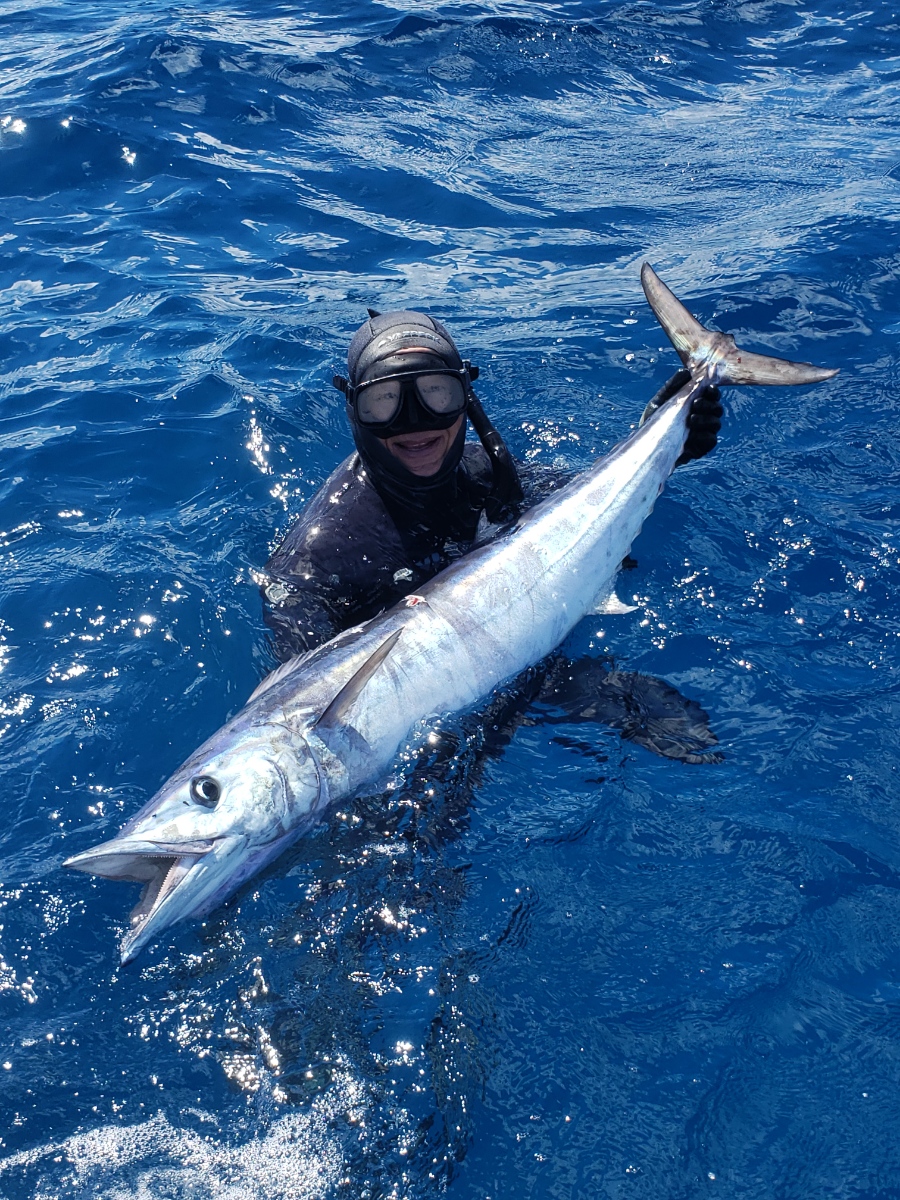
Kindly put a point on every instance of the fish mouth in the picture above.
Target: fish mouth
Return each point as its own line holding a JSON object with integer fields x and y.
{"x": 169, "y": 873}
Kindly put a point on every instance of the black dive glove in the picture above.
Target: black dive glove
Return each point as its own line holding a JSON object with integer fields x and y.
{"x": 705, "y": 419}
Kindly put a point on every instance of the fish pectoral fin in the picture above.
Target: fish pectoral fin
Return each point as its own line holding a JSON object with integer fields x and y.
{"x": 704, "y": 350}
{"x": 341, "y": 742}
{"x": 335, "y": 715}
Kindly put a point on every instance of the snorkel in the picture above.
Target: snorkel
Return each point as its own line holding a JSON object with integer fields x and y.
{"x": 505, "y": 496}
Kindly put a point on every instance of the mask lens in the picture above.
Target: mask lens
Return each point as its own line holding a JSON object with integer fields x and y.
{"x": 441, "y": 394}
{"x": 379, "y": 402}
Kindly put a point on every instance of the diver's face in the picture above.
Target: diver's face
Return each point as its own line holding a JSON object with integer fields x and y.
{"x": 423, "y": 453}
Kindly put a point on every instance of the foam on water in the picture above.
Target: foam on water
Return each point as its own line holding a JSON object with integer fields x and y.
{"x": 297, "y": 1158}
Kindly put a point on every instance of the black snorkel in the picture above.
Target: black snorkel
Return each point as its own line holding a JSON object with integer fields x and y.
{"x": 502, "y": 502}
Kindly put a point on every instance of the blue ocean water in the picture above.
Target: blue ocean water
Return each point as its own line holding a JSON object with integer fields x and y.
{"x": 605, "y": 974}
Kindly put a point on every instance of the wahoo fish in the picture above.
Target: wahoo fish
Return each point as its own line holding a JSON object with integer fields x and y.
{"x": 326, "y": 725}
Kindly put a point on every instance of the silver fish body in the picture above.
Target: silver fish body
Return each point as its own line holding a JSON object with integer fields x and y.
{"x": 325, "y": 726}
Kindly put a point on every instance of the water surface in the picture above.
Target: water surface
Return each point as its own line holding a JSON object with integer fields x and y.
{"x": 574, "y": 969}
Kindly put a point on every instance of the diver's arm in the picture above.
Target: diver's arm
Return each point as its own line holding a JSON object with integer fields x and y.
{"x": 301, "y": 589}
{"x": 340, "y": 563}
{"x": 539, "y": 480}
{"x": 299, "y": 614}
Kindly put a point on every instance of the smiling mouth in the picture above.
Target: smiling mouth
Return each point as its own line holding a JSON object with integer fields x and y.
{"x": 421, "y": 445}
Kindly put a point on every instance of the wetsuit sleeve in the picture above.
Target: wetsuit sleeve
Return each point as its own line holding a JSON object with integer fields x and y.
{"x": 301, "y": 591}
{"x": 340, "y": 563}
{"x": 300, "y": 614}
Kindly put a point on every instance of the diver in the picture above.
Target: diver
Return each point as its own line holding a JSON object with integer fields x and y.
{"x": 417, "y": 495}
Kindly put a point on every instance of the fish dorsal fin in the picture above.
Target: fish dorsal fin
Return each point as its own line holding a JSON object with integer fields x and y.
{"x": 335, "y": 714}
{"x": 276, "y": 676}
{"x": 287, "y": 668}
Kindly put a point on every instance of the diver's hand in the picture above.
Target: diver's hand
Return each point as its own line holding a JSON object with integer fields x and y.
{"x": 705, "y": 418}
{"x": 704, "y": 423}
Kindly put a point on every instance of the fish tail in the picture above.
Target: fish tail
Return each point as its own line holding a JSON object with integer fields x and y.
{"x": 716, "y": 355}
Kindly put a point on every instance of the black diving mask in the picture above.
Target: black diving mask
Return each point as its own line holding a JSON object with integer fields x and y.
{"x": 432, "y": 398}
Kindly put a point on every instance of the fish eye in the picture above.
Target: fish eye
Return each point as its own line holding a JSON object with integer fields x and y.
{"x": 205, "y": 791}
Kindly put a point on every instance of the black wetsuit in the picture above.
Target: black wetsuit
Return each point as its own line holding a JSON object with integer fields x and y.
{"x": 357, "y": 548}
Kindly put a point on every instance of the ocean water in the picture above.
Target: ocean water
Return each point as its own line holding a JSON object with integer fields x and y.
{"x": 601, "y": 973}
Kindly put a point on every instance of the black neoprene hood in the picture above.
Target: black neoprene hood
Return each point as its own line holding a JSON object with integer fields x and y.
{"x": 389, "y": 333}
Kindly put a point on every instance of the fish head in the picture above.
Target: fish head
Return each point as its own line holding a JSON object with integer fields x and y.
{"x": 230, "y": 809}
